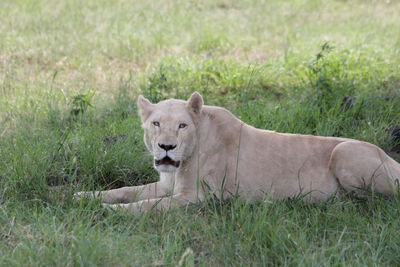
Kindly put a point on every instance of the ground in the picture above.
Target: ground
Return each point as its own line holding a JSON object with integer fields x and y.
{"x": 69, "y": 75}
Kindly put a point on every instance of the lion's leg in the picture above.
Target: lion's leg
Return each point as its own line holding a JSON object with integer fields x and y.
{"x": 359, "y": 165}
{"x": 165, "y": 203}
{"x": 128, "y": 194}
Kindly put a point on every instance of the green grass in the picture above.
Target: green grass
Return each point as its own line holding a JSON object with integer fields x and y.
{"x": 69, "y": 75}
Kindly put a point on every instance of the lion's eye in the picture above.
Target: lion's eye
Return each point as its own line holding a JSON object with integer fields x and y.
{"x": 182, "y": 125}
{"x": 156, "y": 123}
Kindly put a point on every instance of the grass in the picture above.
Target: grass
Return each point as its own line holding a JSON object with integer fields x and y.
{"x": 69, "y": 75}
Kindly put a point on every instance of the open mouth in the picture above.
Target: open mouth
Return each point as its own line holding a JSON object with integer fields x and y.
{"x": 167, "y": 161}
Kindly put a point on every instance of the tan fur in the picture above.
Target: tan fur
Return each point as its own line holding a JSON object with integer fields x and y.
{"x": 223, "y": 155}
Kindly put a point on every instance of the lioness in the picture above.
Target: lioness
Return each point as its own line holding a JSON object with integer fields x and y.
{"x": 199, "y": 148}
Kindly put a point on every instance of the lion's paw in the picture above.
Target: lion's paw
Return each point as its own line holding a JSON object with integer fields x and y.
{"x": 83, "y": 194}
{"x": 111, "y": 206}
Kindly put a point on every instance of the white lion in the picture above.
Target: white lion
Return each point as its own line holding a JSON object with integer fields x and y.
{"x": 200, "y": 148}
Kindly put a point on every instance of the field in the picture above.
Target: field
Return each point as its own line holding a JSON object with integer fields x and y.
{"x": 70, "y": 72}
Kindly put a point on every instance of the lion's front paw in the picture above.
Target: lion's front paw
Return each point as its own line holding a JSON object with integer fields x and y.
{"x": 131, "y": 207}
{"x": 79, "y": 195}
{"x": 112, "y": 206}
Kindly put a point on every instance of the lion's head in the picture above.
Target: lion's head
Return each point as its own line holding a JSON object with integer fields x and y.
{"x": 170, "y": 128}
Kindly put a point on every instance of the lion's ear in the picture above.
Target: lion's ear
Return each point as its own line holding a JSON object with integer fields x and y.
{"x": 195, "y": 103}
{"x": 145, "y": 107}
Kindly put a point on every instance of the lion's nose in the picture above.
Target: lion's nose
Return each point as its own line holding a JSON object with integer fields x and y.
{"x": 166, "y": 147}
